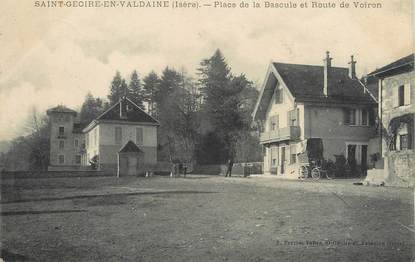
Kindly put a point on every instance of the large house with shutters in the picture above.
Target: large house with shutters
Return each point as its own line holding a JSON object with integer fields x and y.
{"x": 322, "y": 110}
{"x": 396, "y": 89}
{"x": 73, "y": 147}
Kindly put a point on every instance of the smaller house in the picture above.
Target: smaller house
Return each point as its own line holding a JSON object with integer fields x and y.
{"x": 396, "y": 89}
{"x": 116, "y": 132}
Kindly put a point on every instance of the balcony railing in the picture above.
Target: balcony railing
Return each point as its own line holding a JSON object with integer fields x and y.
{"x": 281, "y": 134}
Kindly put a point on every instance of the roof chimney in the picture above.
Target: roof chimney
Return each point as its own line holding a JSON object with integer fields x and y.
{"x": 352, "y": 68}
{"x": 123, "y": 109}
{"x": 327, "y": 66}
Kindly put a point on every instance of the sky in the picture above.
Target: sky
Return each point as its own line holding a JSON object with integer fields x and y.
{"x": 52, "y": 56}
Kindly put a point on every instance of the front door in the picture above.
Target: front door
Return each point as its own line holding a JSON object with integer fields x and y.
{"x": 132, "y": 165}
{"x": 282, "y": 160}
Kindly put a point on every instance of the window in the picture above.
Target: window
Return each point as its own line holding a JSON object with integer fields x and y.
{"x": 358, "y": 117}
{"x": 76, "y": 143}
{"x": 403, "y": 142}
{"x": 293, "y": 117}
{"x": 87, "y": 140}
{"x": 274, "y": 123}
{"x": 402, "y": 137}
{"x": 401, "y": 95}
{"x": 365, "y": 117}
{"x": 61, "y": 144}
{"x": 61, "y": 159}
{"x": 139, "y": 135}
{"x": 78, "y": 159}
{"x": 118, "y": 135}
{"x": 278, "y": 95}
{"x": 61, "y": 131}
{"x": 352, "y": 117}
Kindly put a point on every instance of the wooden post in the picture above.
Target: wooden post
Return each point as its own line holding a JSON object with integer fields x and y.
{"x": 118, "y": 165}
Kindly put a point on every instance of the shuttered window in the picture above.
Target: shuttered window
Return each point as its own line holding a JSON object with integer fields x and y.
{"x": 407, "y": 94}
{"x": 274, "y": 123}
{"x": 293, "y": 117}
{"x": 118, "y": 135}
{"x": 139, "y": 135}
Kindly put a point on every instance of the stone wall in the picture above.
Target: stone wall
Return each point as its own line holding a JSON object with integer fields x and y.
{"x": 401, "y": 166}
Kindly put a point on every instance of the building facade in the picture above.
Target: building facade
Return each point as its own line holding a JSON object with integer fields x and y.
{"x": 323, "y": 110}
{"x": 396, "y": 83}
{"x": 100, "y": 142}
{"x": 66, "y": 139}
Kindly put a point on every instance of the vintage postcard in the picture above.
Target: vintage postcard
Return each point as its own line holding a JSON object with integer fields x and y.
{"x": 207, "y": 130}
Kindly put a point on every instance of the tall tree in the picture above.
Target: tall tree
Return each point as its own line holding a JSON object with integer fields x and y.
{"x": 91, "y": 108}
{"x": 151, "y": 86}
{"x": 223, "y": 101}
{"x": 135, "y": 90}
{"x": 118, "y": 88}
{"x": 177, "y": 109}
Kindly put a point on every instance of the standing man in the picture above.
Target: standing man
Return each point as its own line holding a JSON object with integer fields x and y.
{"x": 229, "y": 169}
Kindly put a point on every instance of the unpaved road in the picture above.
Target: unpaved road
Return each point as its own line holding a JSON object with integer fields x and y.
{"x": 202, "y": 218}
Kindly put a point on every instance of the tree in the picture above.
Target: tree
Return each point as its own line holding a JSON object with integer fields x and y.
{"x": 135, "y": 90}
{"x": 177, "y": 112}
{"x": 223, "y": 101}
{"x": 91, "y": 109}
{"x": 150, "y": 87}
{"x": 118, "y": 88}
{"x": 31, "y": 152}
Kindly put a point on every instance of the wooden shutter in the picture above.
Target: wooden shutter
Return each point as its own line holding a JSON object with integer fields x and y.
{"x": 346, "y": 116}
{"x": 395, "y": 96}
{"x": 407, "y": 94}
{"x": 372, "y": 118}
{"x": 139, "y": 135}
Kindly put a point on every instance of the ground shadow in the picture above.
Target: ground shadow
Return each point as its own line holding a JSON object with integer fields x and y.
{"x": 9, "y": 256}
{"x": 20, "y": 213}
{"x": 106, "y": 195}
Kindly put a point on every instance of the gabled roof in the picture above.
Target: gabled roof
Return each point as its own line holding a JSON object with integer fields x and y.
{"x": 404, "y": 64}
{"x": 131, "y": 112}
{"x": 306, "y": 83}
{"x": 60, "y": 109}
{"x": 130, "y": 146}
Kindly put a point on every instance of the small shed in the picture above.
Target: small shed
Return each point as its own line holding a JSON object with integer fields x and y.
{"x": 130, "y": 159}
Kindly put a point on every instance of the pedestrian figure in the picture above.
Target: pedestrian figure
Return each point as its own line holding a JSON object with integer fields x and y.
{"x": 180, "y": 168}
{"x": 229, "y": 169}
{"x": 184, "y": 170}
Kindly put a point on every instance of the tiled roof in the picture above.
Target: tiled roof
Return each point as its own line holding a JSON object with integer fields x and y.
{"x": 130, "y": 146}
{"x": 306, "y": 82}
{"x": 77, "y": 127}
{"x": 60, "y": 109}
{"x": 407, "y": 62}
{"x": 131, "y": 113}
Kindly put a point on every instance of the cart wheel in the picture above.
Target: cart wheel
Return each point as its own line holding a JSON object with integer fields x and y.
{"x": 315, "y": 173}
{"x": 303, "y": 173}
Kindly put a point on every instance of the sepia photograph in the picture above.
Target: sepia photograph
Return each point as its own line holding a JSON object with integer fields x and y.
{"x": 203, "y": 130}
